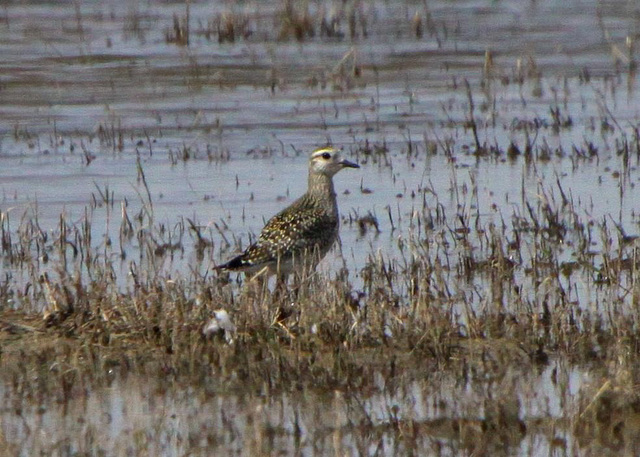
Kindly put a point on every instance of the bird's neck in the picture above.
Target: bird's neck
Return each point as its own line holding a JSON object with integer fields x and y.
{"x": 321, "y": 186}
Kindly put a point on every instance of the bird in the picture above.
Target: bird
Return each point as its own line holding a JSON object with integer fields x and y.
{"x": 299, "y": 236}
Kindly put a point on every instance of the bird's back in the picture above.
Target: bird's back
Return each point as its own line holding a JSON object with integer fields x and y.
{"x": 301, "y": 233}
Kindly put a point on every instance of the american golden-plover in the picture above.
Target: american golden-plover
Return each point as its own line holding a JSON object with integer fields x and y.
{"x": 299, "y": 236}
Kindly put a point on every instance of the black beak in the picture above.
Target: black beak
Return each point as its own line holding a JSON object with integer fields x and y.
{"x": 347, "y": 164}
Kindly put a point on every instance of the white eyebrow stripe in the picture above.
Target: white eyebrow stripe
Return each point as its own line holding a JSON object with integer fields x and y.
{"x": 319, "y": 152}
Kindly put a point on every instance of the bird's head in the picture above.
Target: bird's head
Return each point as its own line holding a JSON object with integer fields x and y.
{"x": 328, "y": 161}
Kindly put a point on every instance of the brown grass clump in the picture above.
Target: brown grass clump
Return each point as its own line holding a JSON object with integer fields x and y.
{"x": 610, "y": 421}
{"x": 180, "y": 34}
{"x": 296, "y": 22}
{"x": 97, "y": 306}
{"x": 463, "y": 293}
{"x": 229, "y": 27}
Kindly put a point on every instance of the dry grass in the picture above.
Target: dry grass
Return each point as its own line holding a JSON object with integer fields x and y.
{"x": 473, "y": 291}
{"x": 466, "y": 293}
{"x": 460, "y": 282}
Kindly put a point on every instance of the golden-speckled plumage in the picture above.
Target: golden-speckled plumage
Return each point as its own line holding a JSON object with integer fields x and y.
{"x": 301, "y": 234}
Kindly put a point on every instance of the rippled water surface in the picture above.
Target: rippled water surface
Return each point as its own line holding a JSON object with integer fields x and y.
{"x": 101, "y": 110}
{"x": 438, "y": 412}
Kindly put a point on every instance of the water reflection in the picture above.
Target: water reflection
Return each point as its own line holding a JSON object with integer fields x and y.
{"x": 522, "y": 412}
{"x": 93, "y": 96}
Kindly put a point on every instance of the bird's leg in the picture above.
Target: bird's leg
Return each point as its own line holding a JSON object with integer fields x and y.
{"x": 281, "y": 291}
{"x": 257, "y": 288}
{"x": 303, "y": 276}
{"x": 297, "y": 286}
{"x": 285, "y": 301}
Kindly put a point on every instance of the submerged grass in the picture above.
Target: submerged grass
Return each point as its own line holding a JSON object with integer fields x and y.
{"x": 470, "y": 293}
{"x": 465, "y": 291}
{"x": 406, "y": 321}
{"x": 474, "y": 292}
{"x": 463, "y": 285}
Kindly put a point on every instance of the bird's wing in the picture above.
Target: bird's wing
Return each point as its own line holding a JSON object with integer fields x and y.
{"x": 291, "y": 232}
{"x": 294, "y": 230}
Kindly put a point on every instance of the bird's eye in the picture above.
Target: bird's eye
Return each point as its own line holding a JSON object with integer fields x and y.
{"x": 326, "y": 156}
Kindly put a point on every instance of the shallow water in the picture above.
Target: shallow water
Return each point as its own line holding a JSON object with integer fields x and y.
{"x": 92, "y": 94}
{"x": 160, "y": 417}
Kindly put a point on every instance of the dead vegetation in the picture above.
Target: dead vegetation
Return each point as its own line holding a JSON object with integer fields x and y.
{"x": 469, "y": 293}
{"x": 465, "y": 291}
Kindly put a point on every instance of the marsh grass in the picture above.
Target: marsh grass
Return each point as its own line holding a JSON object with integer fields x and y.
{"x": 180, "y": 34}
{"x": 464, "y": 287}
{"x": 469, "y": 291}
{"x": 466, "y": 293}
